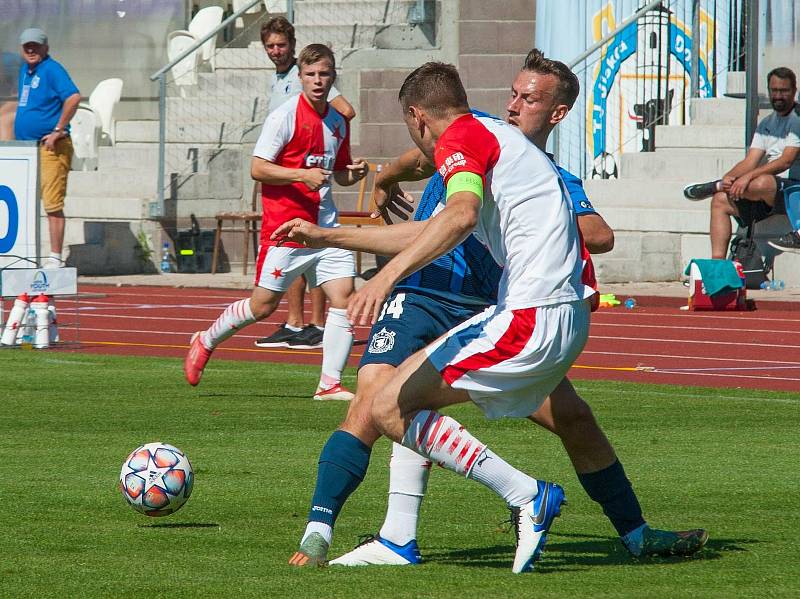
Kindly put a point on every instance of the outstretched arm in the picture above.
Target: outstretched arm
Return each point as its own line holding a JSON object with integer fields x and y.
{"x": 443, "y": 232}
{"x": 386, "y": 241}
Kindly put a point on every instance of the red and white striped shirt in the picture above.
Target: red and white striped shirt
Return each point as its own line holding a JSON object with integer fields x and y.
{"x": 296, "y": 136}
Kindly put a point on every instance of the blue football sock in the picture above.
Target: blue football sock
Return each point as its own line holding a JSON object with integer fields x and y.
{"x": 342, "y": 466}
{"x": 612, "y": 490}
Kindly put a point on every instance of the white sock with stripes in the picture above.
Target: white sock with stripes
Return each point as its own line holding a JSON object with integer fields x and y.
{"x": 337, "y": 340}
{"x": 408, "y": 479}
{"x": 236, "y": 316}
{"x": 448, "y": 444}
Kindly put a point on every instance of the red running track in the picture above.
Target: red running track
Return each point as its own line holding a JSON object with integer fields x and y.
{"x": 654, "y": 343}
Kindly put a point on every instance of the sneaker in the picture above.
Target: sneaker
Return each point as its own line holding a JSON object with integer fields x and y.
{"x": 279, "y": 338}
{"x": 787, "y": 243}
{"x": 700, "y": 191}
{"x": 532, "y": 523}
{"x": 313, "y": 551}
{"x": 652, "y": 542}
{"x": 335, "y": 393}
{"x": 309, "y": 338}
{"x": 196, "y": 360}
{"x": 374, "y": 550}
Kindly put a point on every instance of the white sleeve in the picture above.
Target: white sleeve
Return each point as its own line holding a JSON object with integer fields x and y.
{"x": 793, "y": 134}
{"x": 333, "y": 93}
{"x": 759, "y": 142}
{"x": 275, "y": 134}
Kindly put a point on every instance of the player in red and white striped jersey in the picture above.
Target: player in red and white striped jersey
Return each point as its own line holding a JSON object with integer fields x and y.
{"x": 302, "y": 144}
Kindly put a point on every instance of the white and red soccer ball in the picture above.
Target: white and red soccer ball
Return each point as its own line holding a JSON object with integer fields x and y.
{"x": 156, "y": 479}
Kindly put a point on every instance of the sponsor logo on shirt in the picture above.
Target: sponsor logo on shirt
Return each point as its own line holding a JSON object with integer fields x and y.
{"x": 319, "y": 161}
{"x": 452, "y": 162}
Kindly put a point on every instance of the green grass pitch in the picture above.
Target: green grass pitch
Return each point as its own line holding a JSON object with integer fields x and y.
{"x": 726, "y": 460}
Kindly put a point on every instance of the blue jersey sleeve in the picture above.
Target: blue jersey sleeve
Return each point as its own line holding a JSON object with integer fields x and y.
{"x": 574, "y": 186}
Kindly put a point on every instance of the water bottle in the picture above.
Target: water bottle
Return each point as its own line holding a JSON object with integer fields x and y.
{"x": 777, "y": 285}
{"x": 28, "y": 328}
{"x": 41, "y": 336}
{"x": 630, "y": 303}
{"x": 165, "y": 264}
{"x": 15, "y": 320}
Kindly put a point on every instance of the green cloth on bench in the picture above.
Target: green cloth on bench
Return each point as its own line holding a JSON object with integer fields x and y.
{"x": 719, "y": 276}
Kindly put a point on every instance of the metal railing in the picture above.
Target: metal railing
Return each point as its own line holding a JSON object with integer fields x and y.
{"x": 157, "y": 208}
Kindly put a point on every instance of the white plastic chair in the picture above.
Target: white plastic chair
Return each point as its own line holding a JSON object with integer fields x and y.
{"x": 206, "y": 20}
{"x": 85, "y": 130}
{"x": 275, "y": 6}
{"x": 237, "y": 4}
{"x": 185, "y": 71}
{"x": 103, "y": 100}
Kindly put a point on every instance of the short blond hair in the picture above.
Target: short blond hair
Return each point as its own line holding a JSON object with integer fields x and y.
{"x": 314, "y": 53}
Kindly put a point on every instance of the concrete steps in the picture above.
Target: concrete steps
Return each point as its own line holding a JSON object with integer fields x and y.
{"x": 252, "y": 58}
{"x": 113, "y": 184}
{"x": 187, "y": 132}
{"x": 700, "y": 136}
{"x": 691, "y": 164}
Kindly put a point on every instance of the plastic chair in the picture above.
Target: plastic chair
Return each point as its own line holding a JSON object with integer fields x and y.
{"x": 85, "y": 131}
{"x": 103, "y": 100}
{"x": 361, "y": 217}
{"x": 206, "y": 20}
{"x": 185, "y": 71}
{"x": 237, "y": 4}
{"x": 249, "y": 219}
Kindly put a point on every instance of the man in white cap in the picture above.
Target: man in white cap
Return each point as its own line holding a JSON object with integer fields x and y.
{"x": 48, "y": 100}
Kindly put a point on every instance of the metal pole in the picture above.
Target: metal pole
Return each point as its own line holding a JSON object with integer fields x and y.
{"x": 290, "y": 10}
{"x": 158, "y": 210}
{"x": 695, "y": 63}
{"x": 751, "y": 68}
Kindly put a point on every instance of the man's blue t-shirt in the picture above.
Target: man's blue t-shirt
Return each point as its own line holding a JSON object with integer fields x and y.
{"x": 468, "y": 273}
{"x": 42, "y": 92}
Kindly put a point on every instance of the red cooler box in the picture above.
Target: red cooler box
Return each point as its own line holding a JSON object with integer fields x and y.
{"x": 699, "y": 300}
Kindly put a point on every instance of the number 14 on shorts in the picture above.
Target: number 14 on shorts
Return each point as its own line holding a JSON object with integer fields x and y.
{"x": 394, "y": 307}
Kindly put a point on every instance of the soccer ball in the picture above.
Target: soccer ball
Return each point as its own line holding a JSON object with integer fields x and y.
{"x": 156, "y": 479}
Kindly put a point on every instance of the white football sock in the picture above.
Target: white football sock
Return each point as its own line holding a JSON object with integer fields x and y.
{"x": 336, "y": 343}
{"x": 324, "y": 529}
{"x": 236, "y": 316}
{"x": 450, "y": 445}
{"x": 408, "y": 479}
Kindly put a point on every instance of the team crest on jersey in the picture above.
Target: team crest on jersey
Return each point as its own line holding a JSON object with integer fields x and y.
{"x": 319, "y": 161}
{"x": 382, "y": 342}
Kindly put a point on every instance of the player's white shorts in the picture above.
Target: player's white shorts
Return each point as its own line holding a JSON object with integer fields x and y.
{"x": 509, "y": 361}
{"x": 277, "y": 267}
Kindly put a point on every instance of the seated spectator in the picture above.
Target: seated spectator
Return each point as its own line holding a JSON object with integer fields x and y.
{"x": 752, "y": 189}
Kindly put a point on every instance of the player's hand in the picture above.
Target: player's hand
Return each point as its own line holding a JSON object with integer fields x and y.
{"x": 316, "y": 177}
{"x": 299, "y": 231}
{"x": 358, "y": 170}
{"x": 739, "y": 186}
{"x": 392, "y": 199}
{"x": 365, "y": 305}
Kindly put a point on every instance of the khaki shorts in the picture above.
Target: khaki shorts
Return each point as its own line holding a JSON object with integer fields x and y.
{"x": 54, "y": 167}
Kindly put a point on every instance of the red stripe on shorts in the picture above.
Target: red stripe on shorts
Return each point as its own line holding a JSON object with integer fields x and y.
{"x": 262, "y": 256}
{"x": 509, "y": 345}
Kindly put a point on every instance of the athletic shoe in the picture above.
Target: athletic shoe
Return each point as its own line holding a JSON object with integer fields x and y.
{"x": 700, "y": 191}
{"x": 787, "y": 243}
{"x": 279, "y": 338}
{"x": 532, "y": 523}
{"x": 335, "y": 393}
{"x": 666, "y": 542}
{"x": 313, "y": 551}
{"x": 196, "y": 360}
{"x": 309, "y": 338}
{"x": 375, "y": 550}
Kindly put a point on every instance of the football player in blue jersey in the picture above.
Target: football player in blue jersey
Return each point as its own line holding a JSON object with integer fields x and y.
{"x": 430, "y": 302}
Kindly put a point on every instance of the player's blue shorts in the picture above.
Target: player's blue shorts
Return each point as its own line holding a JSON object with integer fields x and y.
{"x": 409, "y": 322}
